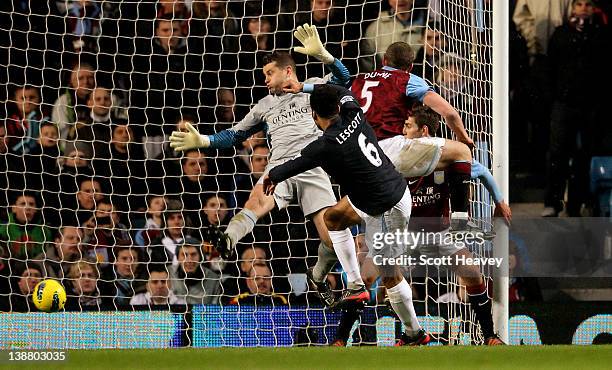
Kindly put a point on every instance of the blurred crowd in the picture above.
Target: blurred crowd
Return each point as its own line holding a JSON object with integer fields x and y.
{"x": 97, "y": 199}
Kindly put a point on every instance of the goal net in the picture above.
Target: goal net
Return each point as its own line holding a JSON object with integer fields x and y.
{"x": 94, "y": 197}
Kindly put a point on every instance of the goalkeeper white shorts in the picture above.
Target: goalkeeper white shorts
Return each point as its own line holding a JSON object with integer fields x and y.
{"x": 312, "y": 189}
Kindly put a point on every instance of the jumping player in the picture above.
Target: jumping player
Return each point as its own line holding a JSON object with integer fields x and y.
{"x": 376, "y": 193}
{"x": 288, "y": 121}
{"x": 430, "y": 213}
{"x": 389, "y": 94}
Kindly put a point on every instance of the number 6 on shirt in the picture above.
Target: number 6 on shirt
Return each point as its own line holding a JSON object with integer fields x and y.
{"x": 369, "y": 150}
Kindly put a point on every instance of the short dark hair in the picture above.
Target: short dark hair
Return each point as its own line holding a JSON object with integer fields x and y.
{"x": 425, "y": 116}
{"x": 399, "y": 55}
{"x": 189, "y": 242}
{"x": 324, "y": 101}
{"x": 281, "y": 58}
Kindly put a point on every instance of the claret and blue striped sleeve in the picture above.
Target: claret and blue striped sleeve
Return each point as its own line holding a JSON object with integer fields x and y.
{"x": 484, "y": 175}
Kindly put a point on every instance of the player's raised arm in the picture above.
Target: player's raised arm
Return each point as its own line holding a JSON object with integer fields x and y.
{"x": 502, "y": 209}
{"x": 192, "y": 139}
{"x": 451, "y": 116}
{"x": 418, "y": 89}
{"x": 312, "y": 46}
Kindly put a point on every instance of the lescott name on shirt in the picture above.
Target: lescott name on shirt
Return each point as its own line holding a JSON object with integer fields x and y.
{"x": 345, "y": 134}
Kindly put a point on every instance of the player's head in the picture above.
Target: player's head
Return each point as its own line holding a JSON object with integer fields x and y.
{"x": 278, "y": 67}
{"x": 399, "y": 55}
{"x": 423, "y": 122}
{"x": 324, "y": 104}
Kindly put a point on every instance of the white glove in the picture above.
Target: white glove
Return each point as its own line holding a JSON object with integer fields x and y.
{"x": 309, "y": 37}
{"x": 182, "y": 141}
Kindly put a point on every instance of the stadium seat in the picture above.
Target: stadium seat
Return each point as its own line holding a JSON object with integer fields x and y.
{"x": 601, "y": 184}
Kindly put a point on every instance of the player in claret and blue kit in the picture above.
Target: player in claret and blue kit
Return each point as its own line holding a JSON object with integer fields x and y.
{"x": 431, "y": 215}
{"x": 388, "y": 96}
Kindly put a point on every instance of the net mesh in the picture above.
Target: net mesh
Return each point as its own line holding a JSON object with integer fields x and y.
{"x": 94, "y": 197}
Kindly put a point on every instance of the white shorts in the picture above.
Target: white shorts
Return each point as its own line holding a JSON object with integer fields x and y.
{"x": 413, "y": 157}
{"x": 439, "y": 244}
{"x": 394, "y": 219}
{"x": 312, "y": 189}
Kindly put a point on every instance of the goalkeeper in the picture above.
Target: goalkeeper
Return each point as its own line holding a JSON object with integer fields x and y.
{"x": 287, "y": 118}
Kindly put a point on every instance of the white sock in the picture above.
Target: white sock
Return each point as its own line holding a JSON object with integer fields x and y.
{"x": 240, "y": 225}
{"x": 400, "y": 297}
{"x": 344, "y": 246}
{"x": 325, "y": 261}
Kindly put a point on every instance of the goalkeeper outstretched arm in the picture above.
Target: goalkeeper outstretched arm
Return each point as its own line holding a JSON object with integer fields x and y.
{"x": 253, "y": 122}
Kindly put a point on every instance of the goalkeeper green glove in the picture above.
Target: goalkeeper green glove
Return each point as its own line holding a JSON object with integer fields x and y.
{"x": 192, "y": 139}
{"x": 309, "y": 37}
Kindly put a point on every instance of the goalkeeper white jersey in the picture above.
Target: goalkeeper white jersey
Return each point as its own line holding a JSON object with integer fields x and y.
{"x": 289, "y": 121}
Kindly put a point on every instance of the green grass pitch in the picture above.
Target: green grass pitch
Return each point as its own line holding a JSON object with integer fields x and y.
{"x": 458, "y": 357}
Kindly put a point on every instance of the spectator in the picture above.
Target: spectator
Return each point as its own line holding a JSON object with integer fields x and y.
{"x": 82, "y": 287}
{"x": 163, "y": 247}
{"x": 159, "y": 289}
{"x": 260, "y": 292}
{"x": 71, "y": 106}
{"x": 192, "y": 281}
{"x": 163, "y": 162}
{"x": 126, "y": 277}
{"x": 247, "y": 146}
{"x": 95, "y": 130}
{"x": 452, "y": 84}
{"x": 25, "y": 118}
{"x": 536, "y": 20}
{"x": 160, "y": 83}
{"x": 257, "y": 165}
{"x": 122, "y": 162}
{"x": 250, "y": 257}
{"x": 197, "y": 184}
{"x": 400, "y": 23}
{"x": 24, "y": 232}
{"x": 103, "y": 231}
{"x": 174, "y": 8}
{"x": 154, "y": 219}
{"x": 215, "y": 211}
{"x": 256, "y": 41}
{"x": 430, "y": 54}
{"x": 226, "y": 111}
{"x": 237, "y": 274}
{"x": 61, "y": 254}
{"x": 5, "y": 164}
{"x": 46, "y": 151}
{"x": 81, "y": 209}
{"x": 213, "y": 27}
{"x": 83, "y": 24}
{"x": 20, "y": 299}
{"x": 75, "y": 162}
{"x": 579, "y": 53}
